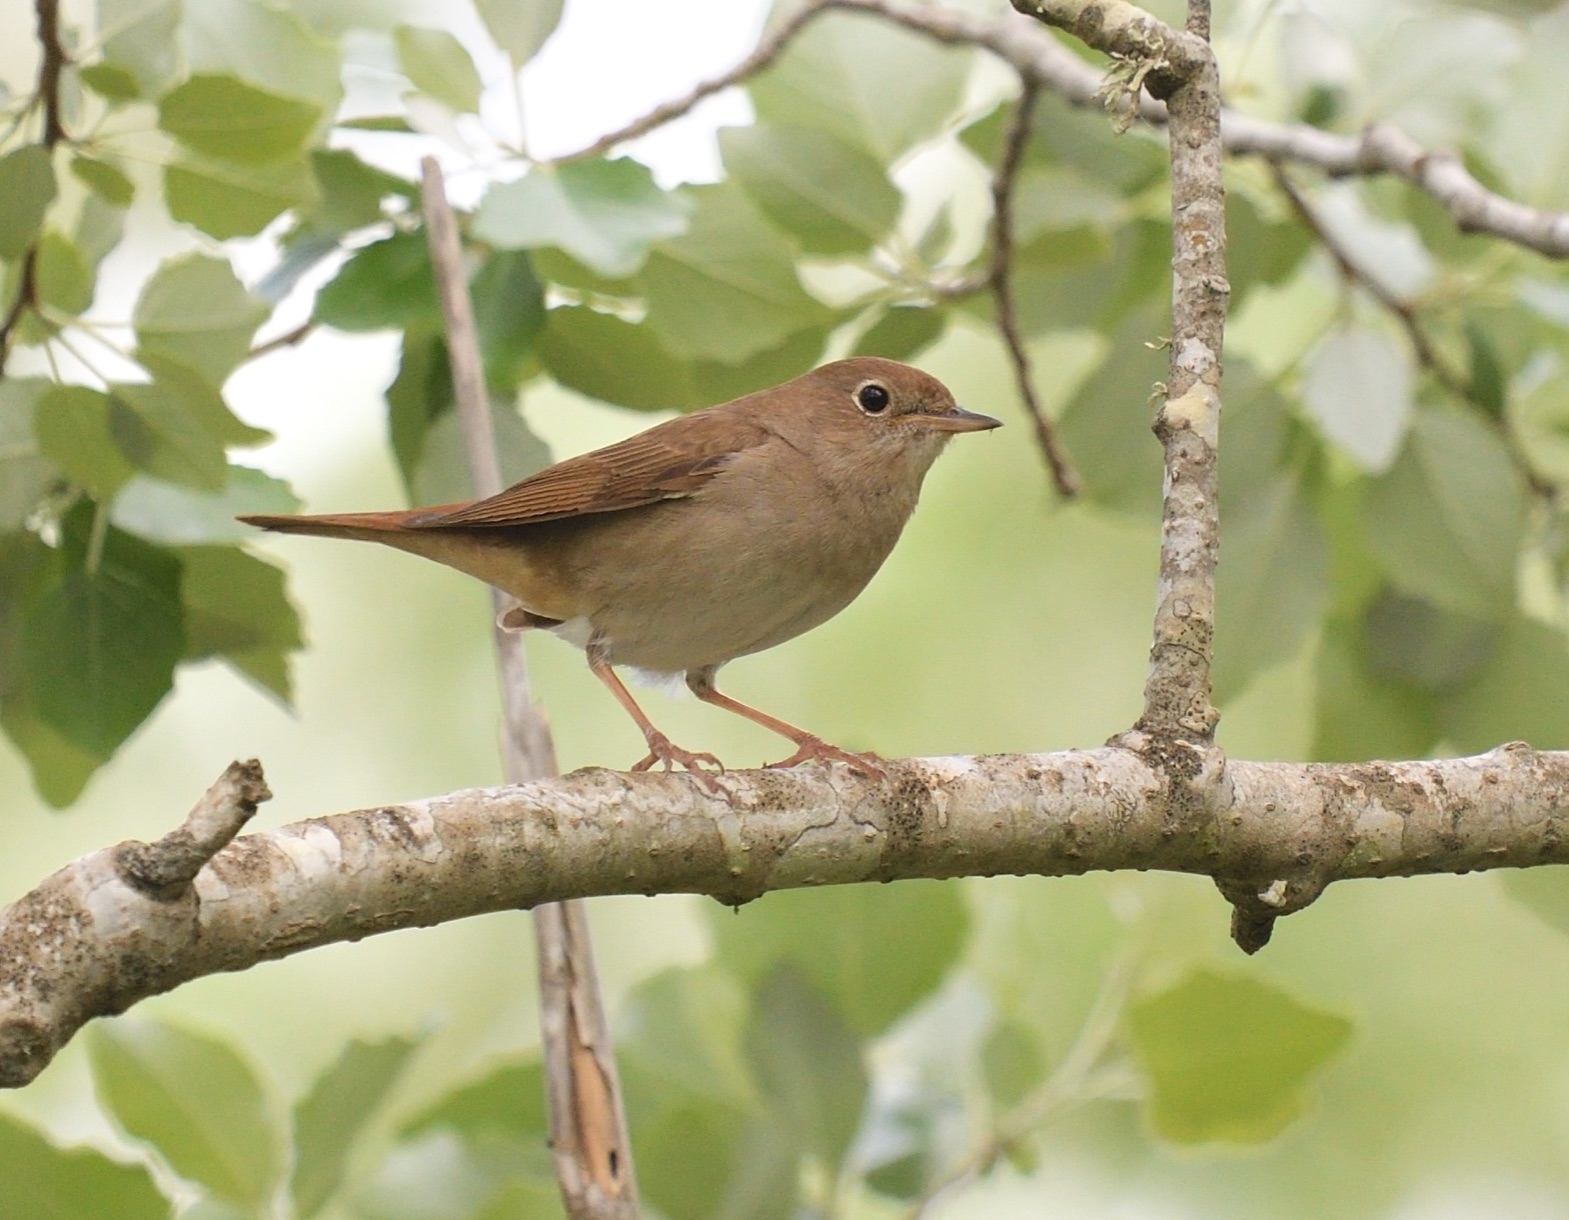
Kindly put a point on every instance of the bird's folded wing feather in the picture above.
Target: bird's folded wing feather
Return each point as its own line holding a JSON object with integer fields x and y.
{"x": 670, "y": 461}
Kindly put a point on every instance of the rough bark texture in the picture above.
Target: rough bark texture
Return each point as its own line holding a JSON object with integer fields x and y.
{"x": 90, "y": 941}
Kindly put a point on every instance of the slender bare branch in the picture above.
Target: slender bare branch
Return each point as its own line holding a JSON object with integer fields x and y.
{"x": 768, "y": 49}
{"x": 288, "y": 339}
{"x": 589, "y": 1138}
{"x": 86, "y": 943}
{"x": 1402, "y": 310}
{"x": 1381, "y": 148}
{"x": 1063, "y": 474}
{"x": 50, "y": 66}
{"x": 51, "y": 63}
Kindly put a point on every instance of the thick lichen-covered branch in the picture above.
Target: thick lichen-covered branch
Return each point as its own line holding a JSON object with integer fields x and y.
{"x": 89, "y": 942}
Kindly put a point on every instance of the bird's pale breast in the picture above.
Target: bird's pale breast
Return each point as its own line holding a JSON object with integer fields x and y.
{"x": 767, "y": 551}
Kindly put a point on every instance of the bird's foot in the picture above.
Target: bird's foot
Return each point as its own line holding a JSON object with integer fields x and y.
{"x": 664, "y": 751}
{"x": 810, "y": 748}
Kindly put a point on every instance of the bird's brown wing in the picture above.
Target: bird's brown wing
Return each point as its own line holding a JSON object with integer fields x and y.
{"x": 667, "y": 462}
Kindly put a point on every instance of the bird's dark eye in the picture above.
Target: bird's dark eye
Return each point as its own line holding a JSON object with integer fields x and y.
{"x": 873, "y": 398}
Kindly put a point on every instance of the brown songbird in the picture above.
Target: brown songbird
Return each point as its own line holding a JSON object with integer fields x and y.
{"x": 705, "y": 538}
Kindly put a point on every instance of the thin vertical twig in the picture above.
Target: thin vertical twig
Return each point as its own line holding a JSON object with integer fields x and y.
{"x": 1178, "y": 67}
{"x": 588, "y": 1130}
{"x": 51, "y": 63}
{"x": 1063, "y": 474}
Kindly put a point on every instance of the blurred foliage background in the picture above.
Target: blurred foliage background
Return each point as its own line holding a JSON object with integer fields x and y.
{"x": 235, "y": 174}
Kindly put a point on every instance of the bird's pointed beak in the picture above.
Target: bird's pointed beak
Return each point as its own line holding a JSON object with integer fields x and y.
{"x": 957, "y": 419}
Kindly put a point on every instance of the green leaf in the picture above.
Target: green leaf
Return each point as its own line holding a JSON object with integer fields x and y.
{"x": 1085, "y": 277}
{"x": 875, "y": 951}
{"x": 61, "y": 276}
{"x": 556, "y": 267}
{"x": 749, "y": 1170}
{"x": 1518, "y": 695}
{"x": 439, "y": 1177}
{"x": 237, "y": 607}
{"x": 43, "y": 1182}
{"x": 509, "y": 312}
{"x": 1011, "y": 1063}
{"x": 269, "y": 45}
{"x": 114, "y": 85}
{"x": 1357, "y": 716}
{"x": 1106, "y": 424}
{"x": 903, "y": 332}
{"x": 1065, "y": 135}
{"x": 194, "y": 310}
{"x": 27, "y": 188}
{"x": 1258, "y": 249}
{"x": 1543, "y": 890}
{"x": 226, "y": 200}
{"x": 98, "y": 230}
{"x": 1274, "y": 585}
{"x": 28, "y": 571}
{"x": 208, "y": 1208}
{"x": 808, "y": 1063}
{"x": 387, "y": 285}
{"x": 329, "y": 1120}
{"x": 179, "y": 516}
{"x": 604, "y": 213}
{"x": 1530, "y": 155}
{"x": 1446, "y": 522}
{"x": 520, "y": 29}
{"x": 143, "y": 40}
{"x": 619, "y": 362}
{"x": 177, "y": 427}
{"x": 25, "y": 473}
{"x": 418, "y": 396}
{"x": 728, "y": 289}
{"x": 1410, "y": 641}
{"x": 507, "y": 1102}
{"x": 99, "y": 648}
{"x": 833, "y": 196}
{"x": 683, "y": 1029}
{"x": 437, "y": 64}
{"x": 351, "y": 192}
{"x": 195, "y": 1100}
{"x": 442, "y": 473}
{"x": 177, "y": 382}
{"x": 524, "y": 1199}
{"x": 1357, "y": 386}
{"x": 74, "y": 432}
{"x": 796, "y": 354}
{"x": 230, "y": 120}
{"x": 379, "y": 122}
{"x": 1228, "y": 1058}
{"x": 866, "y": 81}
{"x": 1489, "y": 378}
{"x": 106, "y": 180}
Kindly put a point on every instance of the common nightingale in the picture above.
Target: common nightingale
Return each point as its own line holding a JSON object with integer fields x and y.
{"x": 705, "y": 538}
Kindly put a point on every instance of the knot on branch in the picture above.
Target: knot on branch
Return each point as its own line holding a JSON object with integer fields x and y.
{"x": 163, "y": 869}
{"x": 1255, "y": 907}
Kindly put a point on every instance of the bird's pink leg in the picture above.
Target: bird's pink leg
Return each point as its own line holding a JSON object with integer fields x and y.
{"x": 660, "y": 748}
{"x": 808, "y": 746}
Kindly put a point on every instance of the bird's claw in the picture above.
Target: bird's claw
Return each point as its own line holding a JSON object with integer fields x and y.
{"x": 810, "y": 749}
{"x": 664, "y": 751}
